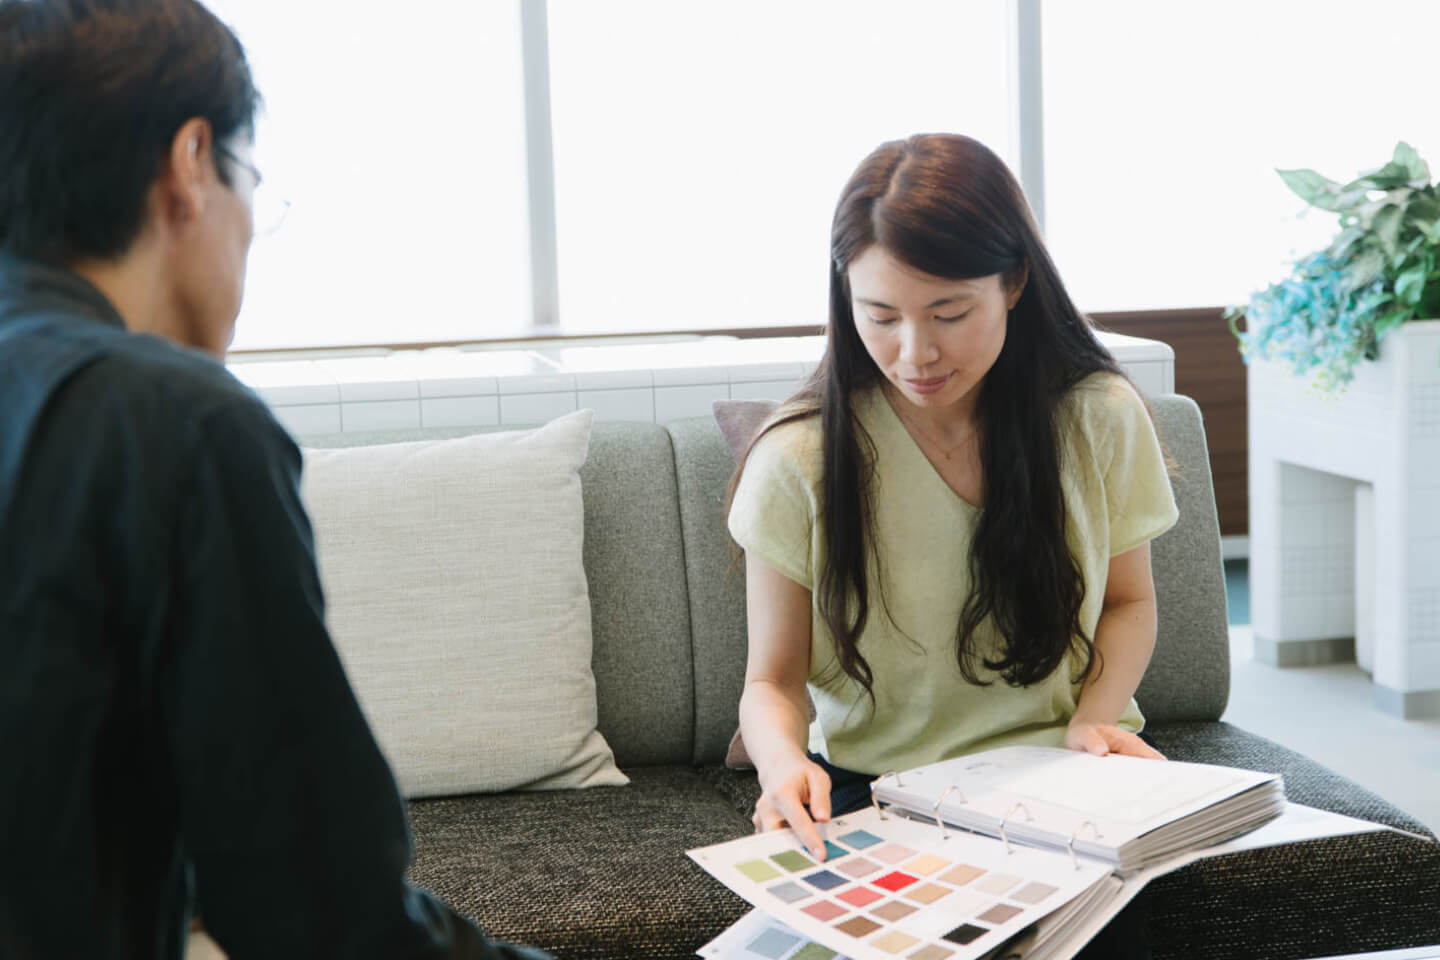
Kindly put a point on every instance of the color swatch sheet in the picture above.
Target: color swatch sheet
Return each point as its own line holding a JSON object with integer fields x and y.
{"x": 759, "y": 936}
{"x": 891, "y": 887}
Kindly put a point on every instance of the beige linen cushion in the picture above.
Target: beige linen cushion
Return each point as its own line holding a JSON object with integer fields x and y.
{"x": 740, "y": 421}
{"x": 457, "y": 600}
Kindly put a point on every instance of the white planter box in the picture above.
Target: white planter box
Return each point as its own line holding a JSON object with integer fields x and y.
{"x": 1310, "y": 452}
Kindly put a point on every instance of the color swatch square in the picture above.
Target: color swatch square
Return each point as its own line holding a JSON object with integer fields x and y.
{"x": 789, "y": 892}
{"x": 926, "y": 893}
{"x": 859, "y": 896}
{"x": 997, "y": 883}
{"x": 858, "y": 926}
{"x": 966, "y": 933}
{"x": 858, "y": 867}
{"x": 813, "y": 951}
{"x": 961, "y": 875}
{"x": 892, "y": 853}
{"x": 825, "y": 880}
{"x": 894, "y": 910}
{"x": 860, "y": 839}
{"x": 999, "y": 913}
{"x": 772, "y": 943}
{"x": 834, "y": 851}
{"x": 927, "y": 864}
{"x": 1032, "y": 892}
{"x": 894, "y": 881}
{"x": 793, "y": 860}
{"x": 932, "y": 952}
{"x": 894, "y": 941}
{"x": 757, "y": 870}
{"x": 825, "y": 910}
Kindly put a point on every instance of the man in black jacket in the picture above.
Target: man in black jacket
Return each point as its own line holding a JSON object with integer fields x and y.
{"x": 176, "y": 732}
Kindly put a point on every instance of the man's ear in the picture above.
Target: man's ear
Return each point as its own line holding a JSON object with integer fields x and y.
{"x": 1015, "y": 282}
{"x": 189, "y": 169}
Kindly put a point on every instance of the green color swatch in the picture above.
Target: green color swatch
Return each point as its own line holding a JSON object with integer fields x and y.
{"x": 792, "y": 860}
{"x": 813, "y": 951}
{"x": 757, "y": 870}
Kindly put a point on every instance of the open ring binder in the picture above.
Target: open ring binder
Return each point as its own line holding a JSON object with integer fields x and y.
{"x": 944, "y": 832}
{"x": 875, "y": 785}
{"x": 1070, "y": 845}
{"x": 1004, "y": 838}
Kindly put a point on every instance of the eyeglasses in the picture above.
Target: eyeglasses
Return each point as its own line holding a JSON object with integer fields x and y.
{"x": 268, "y": 208}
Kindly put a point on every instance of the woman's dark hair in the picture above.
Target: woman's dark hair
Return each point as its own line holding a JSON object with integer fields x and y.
{"x": 92, "y": 93}
{"x": 946, "y": 205}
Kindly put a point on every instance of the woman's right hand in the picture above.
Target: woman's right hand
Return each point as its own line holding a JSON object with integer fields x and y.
{"x": 798, "y": 795}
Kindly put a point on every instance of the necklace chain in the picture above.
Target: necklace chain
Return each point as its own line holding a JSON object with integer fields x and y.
{"x": 946, "y": 452}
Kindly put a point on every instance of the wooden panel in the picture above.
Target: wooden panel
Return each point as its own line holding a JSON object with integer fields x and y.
{"x": 1209, "y": 369}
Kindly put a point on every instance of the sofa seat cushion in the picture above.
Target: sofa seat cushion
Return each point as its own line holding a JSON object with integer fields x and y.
{"x": 584, "y": 874}
{"x": 1375, "y": 891}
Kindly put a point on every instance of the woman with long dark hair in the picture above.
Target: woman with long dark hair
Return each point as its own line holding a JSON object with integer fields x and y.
{"x": 947, "y": 529}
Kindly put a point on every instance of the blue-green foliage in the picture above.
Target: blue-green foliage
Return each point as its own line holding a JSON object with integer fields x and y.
{"x": 1378, "y": 272}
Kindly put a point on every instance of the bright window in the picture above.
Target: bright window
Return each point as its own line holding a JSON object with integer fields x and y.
{"x": 398, "y": 135}
{"x": 1164, "y": 123}
{"x": 700, "y": 148}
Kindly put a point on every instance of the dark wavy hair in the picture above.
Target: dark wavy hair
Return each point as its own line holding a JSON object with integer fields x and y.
{"x": 92, "y": 93}
{"x": 948, "y": 206}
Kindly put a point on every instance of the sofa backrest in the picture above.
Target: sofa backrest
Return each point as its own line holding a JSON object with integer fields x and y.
{"x": 668, "y": 602}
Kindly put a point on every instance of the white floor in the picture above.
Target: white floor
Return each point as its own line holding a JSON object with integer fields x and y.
{"x": 1326, "y": 713}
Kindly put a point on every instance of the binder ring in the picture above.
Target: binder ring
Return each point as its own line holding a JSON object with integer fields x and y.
{"x": 1004, "y": 837}
{"x": 1070, "y": 845}
{"x": 936, "y": 809}
{"x": 875, "y": 784}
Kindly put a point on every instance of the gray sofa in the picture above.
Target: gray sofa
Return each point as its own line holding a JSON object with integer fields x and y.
{"x": 602, "y": 873}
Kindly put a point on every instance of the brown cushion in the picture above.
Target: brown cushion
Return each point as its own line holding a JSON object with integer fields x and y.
{"x": 740, "y": 421}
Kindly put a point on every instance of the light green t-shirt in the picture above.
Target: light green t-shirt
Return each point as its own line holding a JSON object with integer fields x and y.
{"x": 1117, "y": 496}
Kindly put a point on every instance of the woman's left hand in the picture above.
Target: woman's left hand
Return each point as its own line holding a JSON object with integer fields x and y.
{"x": 1100, "y": 739}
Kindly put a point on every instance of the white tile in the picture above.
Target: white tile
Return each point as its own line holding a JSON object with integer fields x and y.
{"x": 460, "y": 411}
{"x": 380, "y": 390}
{"x": 538, "y": 383}
{"x": 309, "y": 421}
{"x": 459, "y": 387}
{"x": 452, "y": 363}
{"x": 370, "y": 379}
{"x": 677, "y": 403}
{"x": 1424, "y": 350}
{"x": 382, "y": 415}
{"x": 687, "y": 376}
{"x": 535, "y": 408}
{"x": 285, "y": 383}
{"x": 298, "y": 395}
{"x": 620, "y": 404}
{"x": 1149, "y": 376}
{"x": 614, "y": 379}
{"x": 763, "y": 390}
{"x": 766, "y": 371}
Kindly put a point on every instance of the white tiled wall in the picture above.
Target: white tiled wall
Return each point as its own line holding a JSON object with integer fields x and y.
{"x": 655, "y": 382}
{"x": 1309, "y": 452}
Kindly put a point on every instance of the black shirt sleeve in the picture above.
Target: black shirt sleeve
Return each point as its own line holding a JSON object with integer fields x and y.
{"x": 289, "y": 814}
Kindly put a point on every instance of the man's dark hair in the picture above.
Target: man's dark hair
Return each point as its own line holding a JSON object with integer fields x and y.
{"x": 92, "y": 93}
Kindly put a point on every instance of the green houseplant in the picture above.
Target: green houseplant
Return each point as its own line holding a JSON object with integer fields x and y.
{"x": 1378, "y": 272}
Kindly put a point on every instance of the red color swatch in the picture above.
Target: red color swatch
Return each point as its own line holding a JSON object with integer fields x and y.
{"x": 894, "y": 881}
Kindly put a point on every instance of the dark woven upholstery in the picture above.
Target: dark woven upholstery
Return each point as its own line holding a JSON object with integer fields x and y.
{"x": 584, "y": 873}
